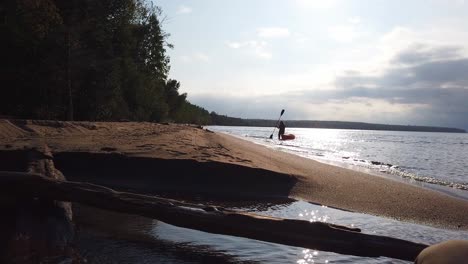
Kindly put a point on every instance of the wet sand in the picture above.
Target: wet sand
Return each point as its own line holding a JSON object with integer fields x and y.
{"x": 192, "y": 160}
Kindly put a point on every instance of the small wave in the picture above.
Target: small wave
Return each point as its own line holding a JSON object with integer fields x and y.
{"x": 426, "y": 179}
{"x": 423, "y": 142}
{"x": 398, "y": 171}
{"x": 388, "y": 140}
{"x": 288, "y": 145}
{"x": 369, "y": 162}
{"x": 262, "y": 137}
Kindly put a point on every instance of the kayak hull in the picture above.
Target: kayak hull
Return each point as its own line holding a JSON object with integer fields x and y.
{"x": 288, "y": 137}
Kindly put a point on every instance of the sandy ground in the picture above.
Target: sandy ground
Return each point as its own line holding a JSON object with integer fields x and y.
{"x": 250, "y": 166}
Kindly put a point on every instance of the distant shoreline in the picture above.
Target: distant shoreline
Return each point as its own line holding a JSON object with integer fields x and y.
{"x": 231, "y": 121}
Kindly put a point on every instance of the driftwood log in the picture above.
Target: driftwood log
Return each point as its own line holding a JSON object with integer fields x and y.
{"x": 217, "y": 220}
{"x": 35, "y": 231}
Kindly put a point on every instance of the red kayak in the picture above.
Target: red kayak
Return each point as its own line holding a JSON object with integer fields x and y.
{"x": 287, "y": 137}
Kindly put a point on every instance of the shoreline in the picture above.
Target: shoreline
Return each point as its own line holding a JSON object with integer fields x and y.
{"x": 444, "y": 189}
{"x": 136, "y": 156}
{"x": 377, "y": 196}
{"x": 453, "y": 192}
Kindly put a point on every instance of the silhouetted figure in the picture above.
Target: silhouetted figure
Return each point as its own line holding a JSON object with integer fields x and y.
{"x": 281, "y": 127}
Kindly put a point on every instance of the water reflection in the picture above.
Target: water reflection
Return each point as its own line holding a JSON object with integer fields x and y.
{"x": 310, "y": 256}
{"x": 313, "y": 216}
{"x": 108, "y": 237}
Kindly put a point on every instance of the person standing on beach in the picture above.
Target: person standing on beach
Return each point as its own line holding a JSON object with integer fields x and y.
{"x": 282, "y": 128}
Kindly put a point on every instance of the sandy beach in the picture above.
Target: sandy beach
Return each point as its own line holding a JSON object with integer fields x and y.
{"x": 150, "y": 157}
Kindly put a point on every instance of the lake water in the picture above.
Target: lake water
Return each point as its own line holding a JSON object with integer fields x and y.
{"x": 109, "y": 237}
{"x": 435, "y": 160}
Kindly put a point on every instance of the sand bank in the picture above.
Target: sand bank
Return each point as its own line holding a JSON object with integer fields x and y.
{"x": 189, "y": 159}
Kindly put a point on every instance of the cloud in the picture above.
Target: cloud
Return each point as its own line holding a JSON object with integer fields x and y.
{"x": 423, "y": 85}
{"x": 403, "y": 38}
{"x": 258, "y": 48}
{"x": 316, "y": 4}
{"x": 236, "y": 45}
{"x": 195, "y": 57}
{"x": 437, "y": 74}
{"x": 405, "y": 76}
{"x": 420, "y": 53}
{"x": 355, "y": 20}
{"x": 273, "y": 32}
{"x": 184, "y": 10}
{"x": 348, "y": 32}
{"x": 307, "y": 107}
{"x": 434, "y": 78}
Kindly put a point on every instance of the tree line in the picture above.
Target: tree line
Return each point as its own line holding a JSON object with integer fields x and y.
{"x": 88, "y": 60}
{"x": 224, "y": 120}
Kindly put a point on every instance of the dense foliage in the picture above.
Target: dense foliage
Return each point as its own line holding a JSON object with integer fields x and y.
{"x": 88, "y": 60}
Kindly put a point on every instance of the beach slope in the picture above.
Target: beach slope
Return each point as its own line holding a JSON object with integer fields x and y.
{"x": 192, "y": 160}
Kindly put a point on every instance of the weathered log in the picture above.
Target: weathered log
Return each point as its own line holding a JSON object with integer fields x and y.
{"x": 36, "y": 230}
{"x": 316, "y": 235}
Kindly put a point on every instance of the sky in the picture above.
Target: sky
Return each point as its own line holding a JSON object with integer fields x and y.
{"x": 378, "y": 61}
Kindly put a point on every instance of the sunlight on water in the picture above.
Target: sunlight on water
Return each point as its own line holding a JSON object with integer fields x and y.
{"x": 144, "y": 240}
{"x": 309, "y": 257}
{"x": 435, "y": 160}
{"x": 313, "y": 216}
{"x": 252, "y": 250}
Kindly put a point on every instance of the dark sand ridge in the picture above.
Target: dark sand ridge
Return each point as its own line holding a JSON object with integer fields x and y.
{"x": 198, "y": 160}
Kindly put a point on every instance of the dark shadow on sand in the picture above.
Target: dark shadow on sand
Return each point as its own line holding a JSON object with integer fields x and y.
{"x": 174, "y": 177}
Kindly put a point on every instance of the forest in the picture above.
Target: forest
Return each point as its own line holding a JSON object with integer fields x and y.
{"x": 88, "y": 60}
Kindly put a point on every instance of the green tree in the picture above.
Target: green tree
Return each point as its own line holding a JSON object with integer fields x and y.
{"x": 87, "y": 60}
